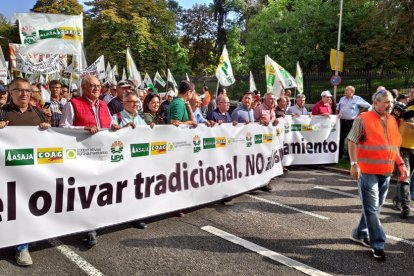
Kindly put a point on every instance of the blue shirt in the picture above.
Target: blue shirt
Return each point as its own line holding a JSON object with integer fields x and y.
{"x": 349, "y": 108}
{"x": 217, "y": 116}
{"x": 126, "y": 118}
{"x": 198, "y": 116}
{"x": 242, "y": 115}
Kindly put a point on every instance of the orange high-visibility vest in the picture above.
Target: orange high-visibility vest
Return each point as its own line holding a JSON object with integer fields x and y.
{"x": 377, "y": 153}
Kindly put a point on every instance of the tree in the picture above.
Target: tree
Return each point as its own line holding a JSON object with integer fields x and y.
{"x": 68, "y": 7}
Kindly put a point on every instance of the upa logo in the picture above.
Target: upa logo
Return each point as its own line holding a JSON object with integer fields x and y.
{"x": 71, "y": 154}
{"x": 138, "y": 150}
{"x": 49, "y": 155}
{"x": 117, "y": 148}
{"x": 29, "y": 34}
{"x": 287, "y": 127}
{"x": 158, "y": 148}
{"x": 197, "y": 144}
{"x": 19, "y": 157}
{"x": 258, "y": 139}
{"x": 249, "y": 137}
{"x": 267, "y": 138}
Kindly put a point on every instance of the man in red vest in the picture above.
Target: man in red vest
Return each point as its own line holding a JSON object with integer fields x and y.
{"x": 89, "y": 113}
{"x": 373, "y": 147}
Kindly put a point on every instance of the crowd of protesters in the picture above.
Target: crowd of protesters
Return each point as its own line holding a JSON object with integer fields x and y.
{"x": 115, "y": 106}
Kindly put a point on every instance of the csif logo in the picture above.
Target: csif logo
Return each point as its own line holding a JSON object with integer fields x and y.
{"x": 49, "y": 155}
{"x": 267, "y": 138}
{"x": 138, "y": 150}
{"x": 19, "y": 157}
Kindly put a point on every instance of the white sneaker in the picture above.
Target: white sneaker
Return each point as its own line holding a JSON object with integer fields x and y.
{"x": 23, "y": 258}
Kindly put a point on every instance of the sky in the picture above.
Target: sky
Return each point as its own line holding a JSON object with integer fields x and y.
{"x": 9, "y": 7}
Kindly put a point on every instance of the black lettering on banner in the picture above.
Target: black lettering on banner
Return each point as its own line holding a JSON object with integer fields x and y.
{"x": 120, "y": 185}
{"x": 259, "y": 163}
{"x": 11, "y": 200}
{"x": 138, "y": 182}
{"x": 106, "y": 194}
{"x": 210, "y": 175}
{"x": 175, "y": 177}
{"x": 310, "y": 147}
{"x": 47, "y": 203}
{"x": 250, "y": 167}
{"x": 161, "y": 186}
{"x": 86, "y": 200}
{"x": 71, "y": 195}
{"x": 59, "y": 195}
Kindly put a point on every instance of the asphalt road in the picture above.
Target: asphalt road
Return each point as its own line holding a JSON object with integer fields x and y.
{"x": 303, "y": 225}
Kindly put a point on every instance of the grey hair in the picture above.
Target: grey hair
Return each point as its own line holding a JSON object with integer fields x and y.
{"x": 300, "y": 96}
{"x": 127, "y": 94}
{"x": 350, "y": 87}
{"x": 268, "y": 94}
{"x": 379, "y": 95}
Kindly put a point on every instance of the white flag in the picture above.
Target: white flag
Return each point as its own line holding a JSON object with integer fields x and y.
{"x": 147, "y": 80}
{"x": 171, "y": 79}
{"x": 96, "y": 69}
{"x": 224, "y": 72}
{"x": 115, "y": 70}
{"x": 108, "y": 72}
{"x": 188, "y": 78}
{"x": 133, "y": 73}
{"x": 299, "y": 78}
{"x": 124, "y": 77}
{"x": 252, "y": 83}
{"x": 277, "y": 78}
{"x": 159, "y": 79}
{"x": 50, "y": 33}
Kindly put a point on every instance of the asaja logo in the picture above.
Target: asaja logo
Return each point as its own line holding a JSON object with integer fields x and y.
{"x": 296, "y": 127}
{"x": 49, "y": 155}
{"x": 196, "y": 143}
{"x": 19, "y": 157}
{"x": 267, "y": 138}
{"x": 209, "y": 143}
{"x": 249, "y": 139}
{"x": 138, "y": 150}
{"x": 117, "y": 148}
{"x": 258, "y": 139}
{"x": 71, "y": 154}
{"x": 307, "y": 127}
{"x": 158, "y": 148}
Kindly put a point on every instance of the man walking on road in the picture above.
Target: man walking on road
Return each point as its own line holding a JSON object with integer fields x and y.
{"x": 373, "y": 148}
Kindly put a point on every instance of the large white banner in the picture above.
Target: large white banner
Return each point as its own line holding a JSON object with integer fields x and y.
{"x": 61, "y": 181}
{"x": 309, "y": 140}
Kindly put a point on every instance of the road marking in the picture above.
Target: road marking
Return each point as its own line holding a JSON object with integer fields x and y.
{"x": 288, "y": 207}
{"x": 343, "y": 193}
{"x": 75, "y": 258}
{"x": 400, "y": 240}
{"x": 264, "y": 251}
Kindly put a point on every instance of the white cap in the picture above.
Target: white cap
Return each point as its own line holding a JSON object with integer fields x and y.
{"x": 326, "y": 93}
{"x": 171, "y": 93}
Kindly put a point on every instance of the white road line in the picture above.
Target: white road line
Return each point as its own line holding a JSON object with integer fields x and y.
{"x": 343, "y": 193}
{"x": 75, "y": 258}
{"x": 397, "y": 239}
{"x": 288, "y": 207}
{"x": 264, "y": 251}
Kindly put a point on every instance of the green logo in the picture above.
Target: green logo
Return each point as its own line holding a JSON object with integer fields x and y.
{"x": 209, "y": 143}
{"x": 258, "y": 139}
{"x": 138, "y": 150}
{"x": 19, "y": 157}
{"x": 296, "y": 127}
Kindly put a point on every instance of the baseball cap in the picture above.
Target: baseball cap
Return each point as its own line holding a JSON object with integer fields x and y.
{"x": 326, "y": 93}
{"x": 171, "y": 93}
{"x": 123, "y": 83}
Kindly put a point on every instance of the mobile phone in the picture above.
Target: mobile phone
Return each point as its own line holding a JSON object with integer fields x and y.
{"x": 46, "y": 105}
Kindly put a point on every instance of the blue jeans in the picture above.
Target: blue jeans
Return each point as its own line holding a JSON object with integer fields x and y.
{"x": 373, "y": 190}
{"x": 21, "y": 247}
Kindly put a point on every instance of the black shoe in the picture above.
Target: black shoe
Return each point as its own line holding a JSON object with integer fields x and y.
{"x": 396, "y": 204}
{"x": 140, "y": 224}
{"x": 378, "y": 254}
{"x": 91, "y": 240}
{"x": 266, "y": 188}
{"x": 405, "y": 212}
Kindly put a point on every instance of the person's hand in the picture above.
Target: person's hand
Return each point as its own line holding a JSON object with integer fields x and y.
{"x": 47, "y": 112}
{"x": 275, "y": 122}
{"x": 152, "y": 125}
{"x": 235, "y": 123}
{"x": 44, "y": 125}
{"x": 115, "y": 127}
{"x": 192, "y": 123}
{"x": 212, "y": 123}
{"x": 3, "y": 124}
{"x": 247, "y": 122}
{"x": 131, "y": 124}
{"x": 403, "y": 172}
{"x": 207, "y": 123}
{"x": 339, "y": 115}
{"x": 220, "y": 122}
{"x": 355, "y": 171}
{"x": 92, "y": 129}
{"x": 264, "y": 122}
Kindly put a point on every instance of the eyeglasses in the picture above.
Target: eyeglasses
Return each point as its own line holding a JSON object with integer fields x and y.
{"x": 35, "y": 91}
{"x": 226, "y": 103}
{"x": 134, "y": 102}
{"x": 22, "y": 91}
{"x": 98, "y": 86}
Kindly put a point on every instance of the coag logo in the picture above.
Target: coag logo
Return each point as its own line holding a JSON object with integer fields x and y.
{"x": 196, "y": 143}
{"x": 267, "y": 138}
{"x": 71, "y": 154}
{"x": 258, "y": 139}
{"x": 49, "y": 155}
{"x": 249, "y": 139}
{"x": 19, "y": 157}
{"x": 117, "y": 148}
{"x": 158, "y": 148}
{"x": 138, "y": 150}
{"x": 221, "y": 142}
{"x": 209, "y": 143}
{"x": 307, "y": 127}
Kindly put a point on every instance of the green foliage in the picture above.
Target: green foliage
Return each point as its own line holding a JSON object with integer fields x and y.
{"x": 68, "y": 7}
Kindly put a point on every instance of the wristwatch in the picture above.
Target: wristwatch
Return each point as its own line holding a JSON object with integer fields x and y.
{"x": 354, "y": 163}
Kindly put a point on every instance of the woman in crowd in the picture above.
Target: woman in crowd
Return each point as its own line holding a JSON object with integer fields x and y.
{"x": 151, "y": 108}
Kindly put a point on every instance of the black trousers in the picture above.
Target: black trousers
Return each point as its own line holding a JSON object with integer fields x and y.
{"x": 346, "y": 126}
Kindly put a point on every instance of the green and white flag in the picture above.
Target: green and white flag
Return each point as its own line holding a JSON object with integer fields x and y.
{"x": 133, "y": 73}
{"x": 252, "y": 83}
{"x": 149, "y": 84}
{"x": 159, "y": 79}
{"x": 299, "y": 78}
{"x": 43, "y": 33}
{"x": 277, "y": 78}
{"x": 224, "y": 72}
{"x": 3, "y": 68}
{"x": 171, "y": 79}
{"x": 124, "y": 76}
{"x": 108, "y": 72}
{"x": 115, "y": 70}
